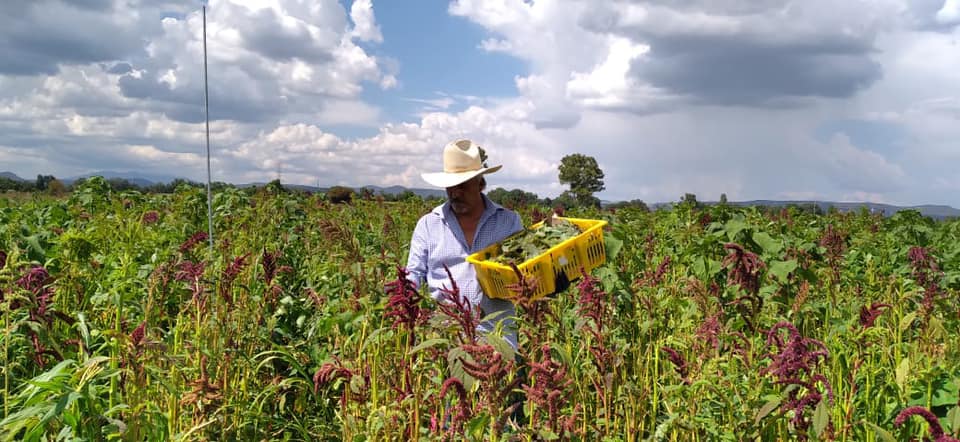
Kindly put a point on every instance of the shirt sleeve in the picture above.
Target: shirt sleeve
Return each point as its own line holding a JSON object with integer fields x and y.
{"x": 417, "y": 259}
{"x": 517, "y": 223}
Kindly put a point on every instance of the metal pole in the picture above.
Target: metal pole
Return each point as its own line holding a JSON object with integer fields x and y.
{"x": 206, "y": 107}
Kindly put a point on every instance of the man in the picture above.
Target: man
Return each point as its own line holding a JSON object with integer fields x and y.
{"x": 466, "y": 223}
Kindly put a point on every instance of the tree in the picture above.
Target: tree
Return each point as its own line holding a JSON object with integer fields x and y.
{"x": 56, "y": 188}
{"x": 513, "y": 198}
{"x": 43, "y": 181}
{"x": 340, "y": 194}
{"x": 691, "y": 199}
{"x": 723, "y": 198}
{"x": 633, "y": 204}
{"x": 583, "y": 175}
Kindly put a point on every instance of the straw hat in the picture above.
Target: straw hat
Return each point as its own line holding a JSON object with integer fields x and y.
{"x": 461, "y": 162}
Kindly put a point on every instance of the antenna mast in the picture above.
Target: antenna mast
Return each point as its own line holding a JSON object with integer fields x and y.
{"x": 206, "y": 108}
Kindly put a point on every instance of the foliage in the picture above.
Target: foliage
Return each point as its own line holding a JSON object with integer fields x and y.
{"x": 706, "y": 323}
{"x": 340, "y": 194}
{"x": 513, "y": 199}
{"x": 532, "y": 242}
{"x": 584, "y": 176}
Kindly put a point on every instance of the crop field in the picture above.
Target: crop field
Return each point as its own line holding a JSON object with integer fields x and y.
{"x": 706, "y": 323}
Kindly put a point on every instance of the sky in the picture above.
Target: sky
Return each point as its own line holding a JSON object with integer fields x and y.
{"x": 840, "y": 100}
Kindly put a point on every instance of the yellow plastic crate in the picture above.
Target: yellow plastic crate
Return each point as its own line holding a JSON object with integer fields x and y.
{"x": 585, "y": 250}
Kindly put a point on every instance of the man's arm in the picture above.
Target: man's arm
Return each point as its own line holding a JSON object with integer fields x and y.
{"x": 517, "y": 223}
{"x": 419, "y": 254}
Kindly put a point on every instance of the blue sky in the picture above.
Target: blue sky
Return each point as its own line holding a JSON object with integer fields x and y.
{"x": 782, "y": 99}
{"x": 437, "y": 54}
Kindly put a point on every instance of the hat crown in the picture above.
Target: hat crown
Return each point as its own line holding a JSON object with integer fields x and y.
{"x": 461, "y": 162}
{"x": 461, "y": 156}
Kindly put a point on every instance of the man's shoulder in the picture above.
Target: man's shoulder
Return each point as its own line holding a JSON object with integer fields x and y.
{"x": 435, "y": 213}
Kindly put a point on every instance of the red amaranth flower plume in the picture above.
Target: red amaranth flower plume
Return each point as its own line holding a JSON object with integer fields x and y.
{"x": 230, "y": 274}
{"x": 331, "y": 371}
{"x": 403, "y": 306}
{"x": 678, "y": 363}
{"x": 137, "y": 336}
{"x": 549, "y": 388}
{"x": 150, "y": 217}
{"x": 921, "y": 259}
{"x": 936, "y": 431}
{"x": 460, "y": 310}
{"x": 138, "y": 333}
{"x": 593, "y": 300}
{"x": 708, "y": 333}
{"x": 926, "y": 272}
{"x": 654, "y": 278}
{"x": 459, "y": 414}
{"x": 493, "y": 372}
{"x": 269, "y": 261}
{"x": 37, "y": 281}
{"x": 794, "y": 357}
{"x": 835, "y": 244}
{"x": 745, "y": 267}
{"x": 192, "y": 241}
{"x": 191, "y": 272}
{"x": 536, "y": 215}
{"x": 34, "y": 280}
{"x": 794, "y": 363}
{"x": 868, "y": 315}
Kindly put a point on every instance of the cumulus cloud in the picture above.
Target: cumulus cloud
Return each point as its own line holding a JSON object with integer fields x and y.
{"x": 39, "y": 37}
{"x": 670, "y": 96}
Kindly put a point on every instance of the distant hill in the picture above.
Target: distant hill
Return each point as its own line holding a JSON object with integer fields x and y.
{"x": 140, "y": 179}
{"x": 11, "y": 176}
{"x": 934, "y": 211}
{"x": 145, "y": 180}
{"x": 392, "y": 190}
{"x": 396, "y": 190}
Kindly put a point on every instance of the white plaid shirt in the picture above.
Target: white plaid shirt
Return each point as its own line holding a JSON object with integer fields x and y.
{"x": 438, "y": 239}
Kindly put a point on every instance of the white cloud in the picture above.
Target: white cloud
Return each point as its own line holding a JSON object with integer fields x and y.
{"x": 365, "y": 25}
{"x": 949, "y": 13}
{"x": 670, "y": 97}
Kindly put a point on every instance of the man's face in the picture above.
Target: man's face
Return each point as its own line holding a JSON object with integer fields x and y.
{"x": 465, "y": 197}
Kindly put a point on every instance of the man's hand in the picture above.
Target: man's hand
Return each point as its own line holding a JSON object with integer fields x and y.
{"x": 561, "y": 283}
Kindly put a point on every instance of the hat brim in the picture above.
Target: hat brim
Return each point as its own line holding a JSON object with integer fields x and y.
{"x": 444, "y": 179}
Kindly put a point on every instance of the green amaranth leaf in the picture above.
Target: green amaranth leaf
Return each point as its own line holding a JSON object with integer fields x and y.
{"x": 902, "y": 371}
{"x": 821, "y": 417}
{"x": 771, "y": 405}
{"x": 530, "y": 243}
{"x": 781, "y": 269}
{"x": 767, "y": 243}
{"x": 882, "y": 434}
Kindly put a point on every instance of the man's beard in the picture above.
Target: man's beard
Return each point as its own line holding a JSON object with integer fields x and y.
{"x": 459, "y": 206}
